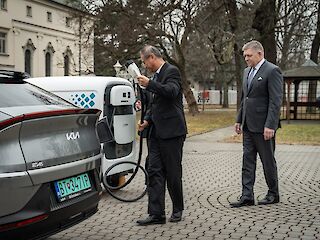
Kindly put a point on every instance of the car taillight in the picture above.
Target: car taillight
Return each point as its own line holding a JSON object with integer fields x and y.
{"x": 28, "y": 116}
{"x": 9, "y": 226}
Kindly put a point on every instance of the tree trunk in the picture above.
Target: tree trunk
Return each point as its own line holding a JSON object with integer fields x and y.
{"x": 312, "y": 93}
{"x": 188, "y": 94}
{"x": 232, "y": 9}
{"x": 225, "y": 94}
{"x": 203, "y": 95}
{"x": 264, "y": 22}
{"x": 238, "y": 74}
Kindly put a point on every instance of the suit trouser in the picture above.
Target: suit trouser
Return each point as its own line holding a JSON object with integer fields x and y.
{"x": 254, "y": 143}
{"x": 165, "y": 156}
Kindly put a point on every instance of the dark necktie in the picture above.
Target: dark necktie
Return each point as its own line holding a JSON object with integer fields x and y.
{"x": 155, "y": 77}
{"x": 250, "y": 77}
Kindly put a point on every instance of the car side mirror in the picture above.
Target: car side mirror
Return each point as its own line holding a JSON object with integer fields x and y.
{"x": 104, "y": 131}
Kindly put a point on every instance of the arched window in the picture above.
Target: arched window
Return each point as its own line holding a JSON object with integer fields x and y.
{"x": 66, "y": 65}
{"x": 48, "y": 55}
{"x": 28, "y": 49}
{"x": 48, "y": 64}
{"x": 67, "y": 57}
{"x": 27, "y": 61}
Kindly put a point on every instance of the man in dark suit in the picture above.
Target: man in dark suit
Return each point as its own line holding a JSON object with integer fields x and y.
{"x": 166, "y": 136}
{"x": 258, "y": 119}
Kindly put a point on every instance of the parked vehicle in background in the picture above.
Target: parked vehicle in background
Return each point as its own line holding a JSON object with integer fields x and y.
{"x": 49, "y": 161}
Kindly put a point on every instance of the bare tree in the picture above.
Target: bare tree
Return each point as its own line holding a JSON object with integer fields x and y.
{"x": 293, "y": 31}
{"x": 314, "y": 56}
{"x": 234, "y": 16}
{"x": 264, "y": 22}
{"x": 123, "y": 27}
{"x": 199, "y": 64}
{"x": 175, "y": 27}
{"x": 227, "y": 25}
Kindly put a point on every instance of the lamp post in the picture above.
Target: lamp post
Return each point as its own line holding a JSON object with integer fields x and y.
{"x": 117, "y": 67}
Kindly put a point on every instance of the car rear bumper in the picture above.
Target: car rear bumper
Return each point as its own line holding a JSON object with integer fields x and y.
{"x": 58, "y": 216}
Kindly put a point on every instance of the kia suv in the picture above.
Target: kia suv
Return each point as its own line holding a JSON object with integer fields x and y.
{"x": 49, "y": 161}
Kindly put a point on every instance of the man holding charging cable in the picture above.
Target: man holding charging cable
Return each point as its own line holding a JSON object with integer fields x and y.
{"x": 167, "y": 133}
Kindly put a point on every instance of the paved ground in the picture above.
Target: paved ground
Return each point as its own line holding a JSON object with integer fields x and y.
{"x": 212, "y": 173}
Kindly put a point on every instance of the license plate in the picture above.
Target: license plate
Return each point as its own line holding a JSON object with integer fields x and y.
{"x": 72, "y": 187}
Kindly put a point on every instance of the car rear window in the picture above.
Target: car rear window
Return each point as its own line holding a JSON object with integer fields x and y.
{"x": 25, "y": 94}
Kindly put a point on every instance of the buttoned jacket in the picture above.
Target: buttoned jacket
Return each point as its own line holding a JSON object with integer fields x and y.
{"x": 261, "y": 101}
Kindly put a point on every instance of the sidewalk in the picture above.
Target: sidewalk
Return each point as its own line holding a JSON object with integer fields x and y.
{"x": 212, "y": 179}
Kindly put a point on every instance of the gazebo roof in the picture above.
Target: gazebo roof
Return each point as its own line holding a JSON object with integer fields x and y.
{"x": 308, "y": 70}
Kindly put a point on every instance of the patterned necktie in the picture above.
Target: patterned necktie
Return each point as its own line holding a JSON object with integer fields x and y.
{"x": 250, "y": 77}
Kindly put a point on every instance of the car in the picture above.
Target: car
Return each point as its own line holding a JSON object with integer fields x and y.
{"x": 50, "y": 158}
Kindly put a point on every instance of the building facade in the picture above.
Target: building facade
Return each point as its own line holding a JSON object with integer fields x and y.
{"x": 45, "y": 38}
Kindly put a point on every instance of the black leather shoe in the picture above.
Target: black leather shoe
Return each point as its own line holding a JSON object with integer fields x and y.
{"x": 176, "y": 217}
{"x": 242, "y": 203}
{"x": 152, "y": 219}
{"x": 269, "y": 200}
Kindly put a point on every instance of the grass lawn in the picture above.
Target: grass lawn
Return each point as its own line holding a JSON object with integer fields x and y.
{"x": 295, "y": 133}
{"x": 305, "y": 133}
{"x": 299, "y": 134}
{"x": 209, "y": 120}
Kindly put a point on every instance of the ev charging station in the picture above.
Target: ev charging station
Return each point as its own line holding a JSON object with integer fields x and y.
{"x": 115, "y": 97}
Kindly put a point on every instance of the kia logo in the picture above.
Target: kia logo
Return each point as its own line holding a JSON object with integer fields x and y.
{"x": 72, "y": 136}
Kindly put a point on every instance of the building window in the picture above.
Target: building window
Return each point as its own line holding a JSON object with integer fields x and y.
{"x": 28, "y": 49}
{"x": 67, "y": 55}
{"x": 27, "y": 61}
{"x": 49, "y": 16}
{"x": 29, "y": 11}
{"x": 48, "y": 54}
{"x": 3, "y": 41}
{"x": 48, "y": 64}
{"x": 3, "y": 4}
{"x": 68, "y": 22}
{"x": 66, "y": 65}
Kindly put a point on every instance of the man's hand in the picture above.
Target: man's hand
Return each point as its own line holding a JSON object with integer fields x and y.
{"x": 142, "y": 126}
{"x": 143, "y": 80}
{"x": 138, "y": 105}
{"x": 237, "y": 128}
{"x": 268, "y": 133}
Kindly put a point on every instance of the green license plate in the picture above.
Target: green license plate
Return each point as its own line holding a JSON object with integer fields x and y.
{"x": 72, "y": 187}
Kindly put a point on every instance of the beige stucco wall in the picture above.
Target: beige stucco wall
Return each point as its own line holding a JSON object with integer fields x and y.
{"x": 20, "y": 28}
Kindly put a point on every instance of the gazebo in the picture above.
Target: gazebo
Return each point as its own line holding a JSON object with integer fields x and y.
{"x": 302, "y": 92}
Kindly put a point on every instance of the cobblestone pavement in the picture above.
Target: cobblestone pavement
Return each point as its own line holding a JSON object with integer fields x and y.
{"x": 212, "y": 179}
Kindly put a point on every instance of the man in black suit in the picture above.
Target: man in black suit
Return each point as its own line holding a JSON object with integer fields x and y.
{"x": 166, "y": 138}
{"x": 258, "y": 118}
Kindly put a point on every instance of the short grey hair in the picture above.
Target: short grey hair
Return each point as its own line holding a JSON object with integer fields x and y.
{"x": 147, "y": 50}
{"x": 254, "y": 44}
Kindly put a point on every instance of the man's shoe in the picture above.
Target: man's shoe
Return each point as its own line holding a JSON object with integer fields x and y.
{"x": 152, "y": 219}
{"x": 269, "y": 199}
{"x": 242, "y": 203}
{"x": 176, "y": 217}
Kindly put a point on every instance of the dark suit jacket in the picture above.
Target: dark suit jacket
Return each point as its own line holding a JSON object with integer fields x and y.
{"x": 260, "y": 104}
{"x": 166, "y": 112}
